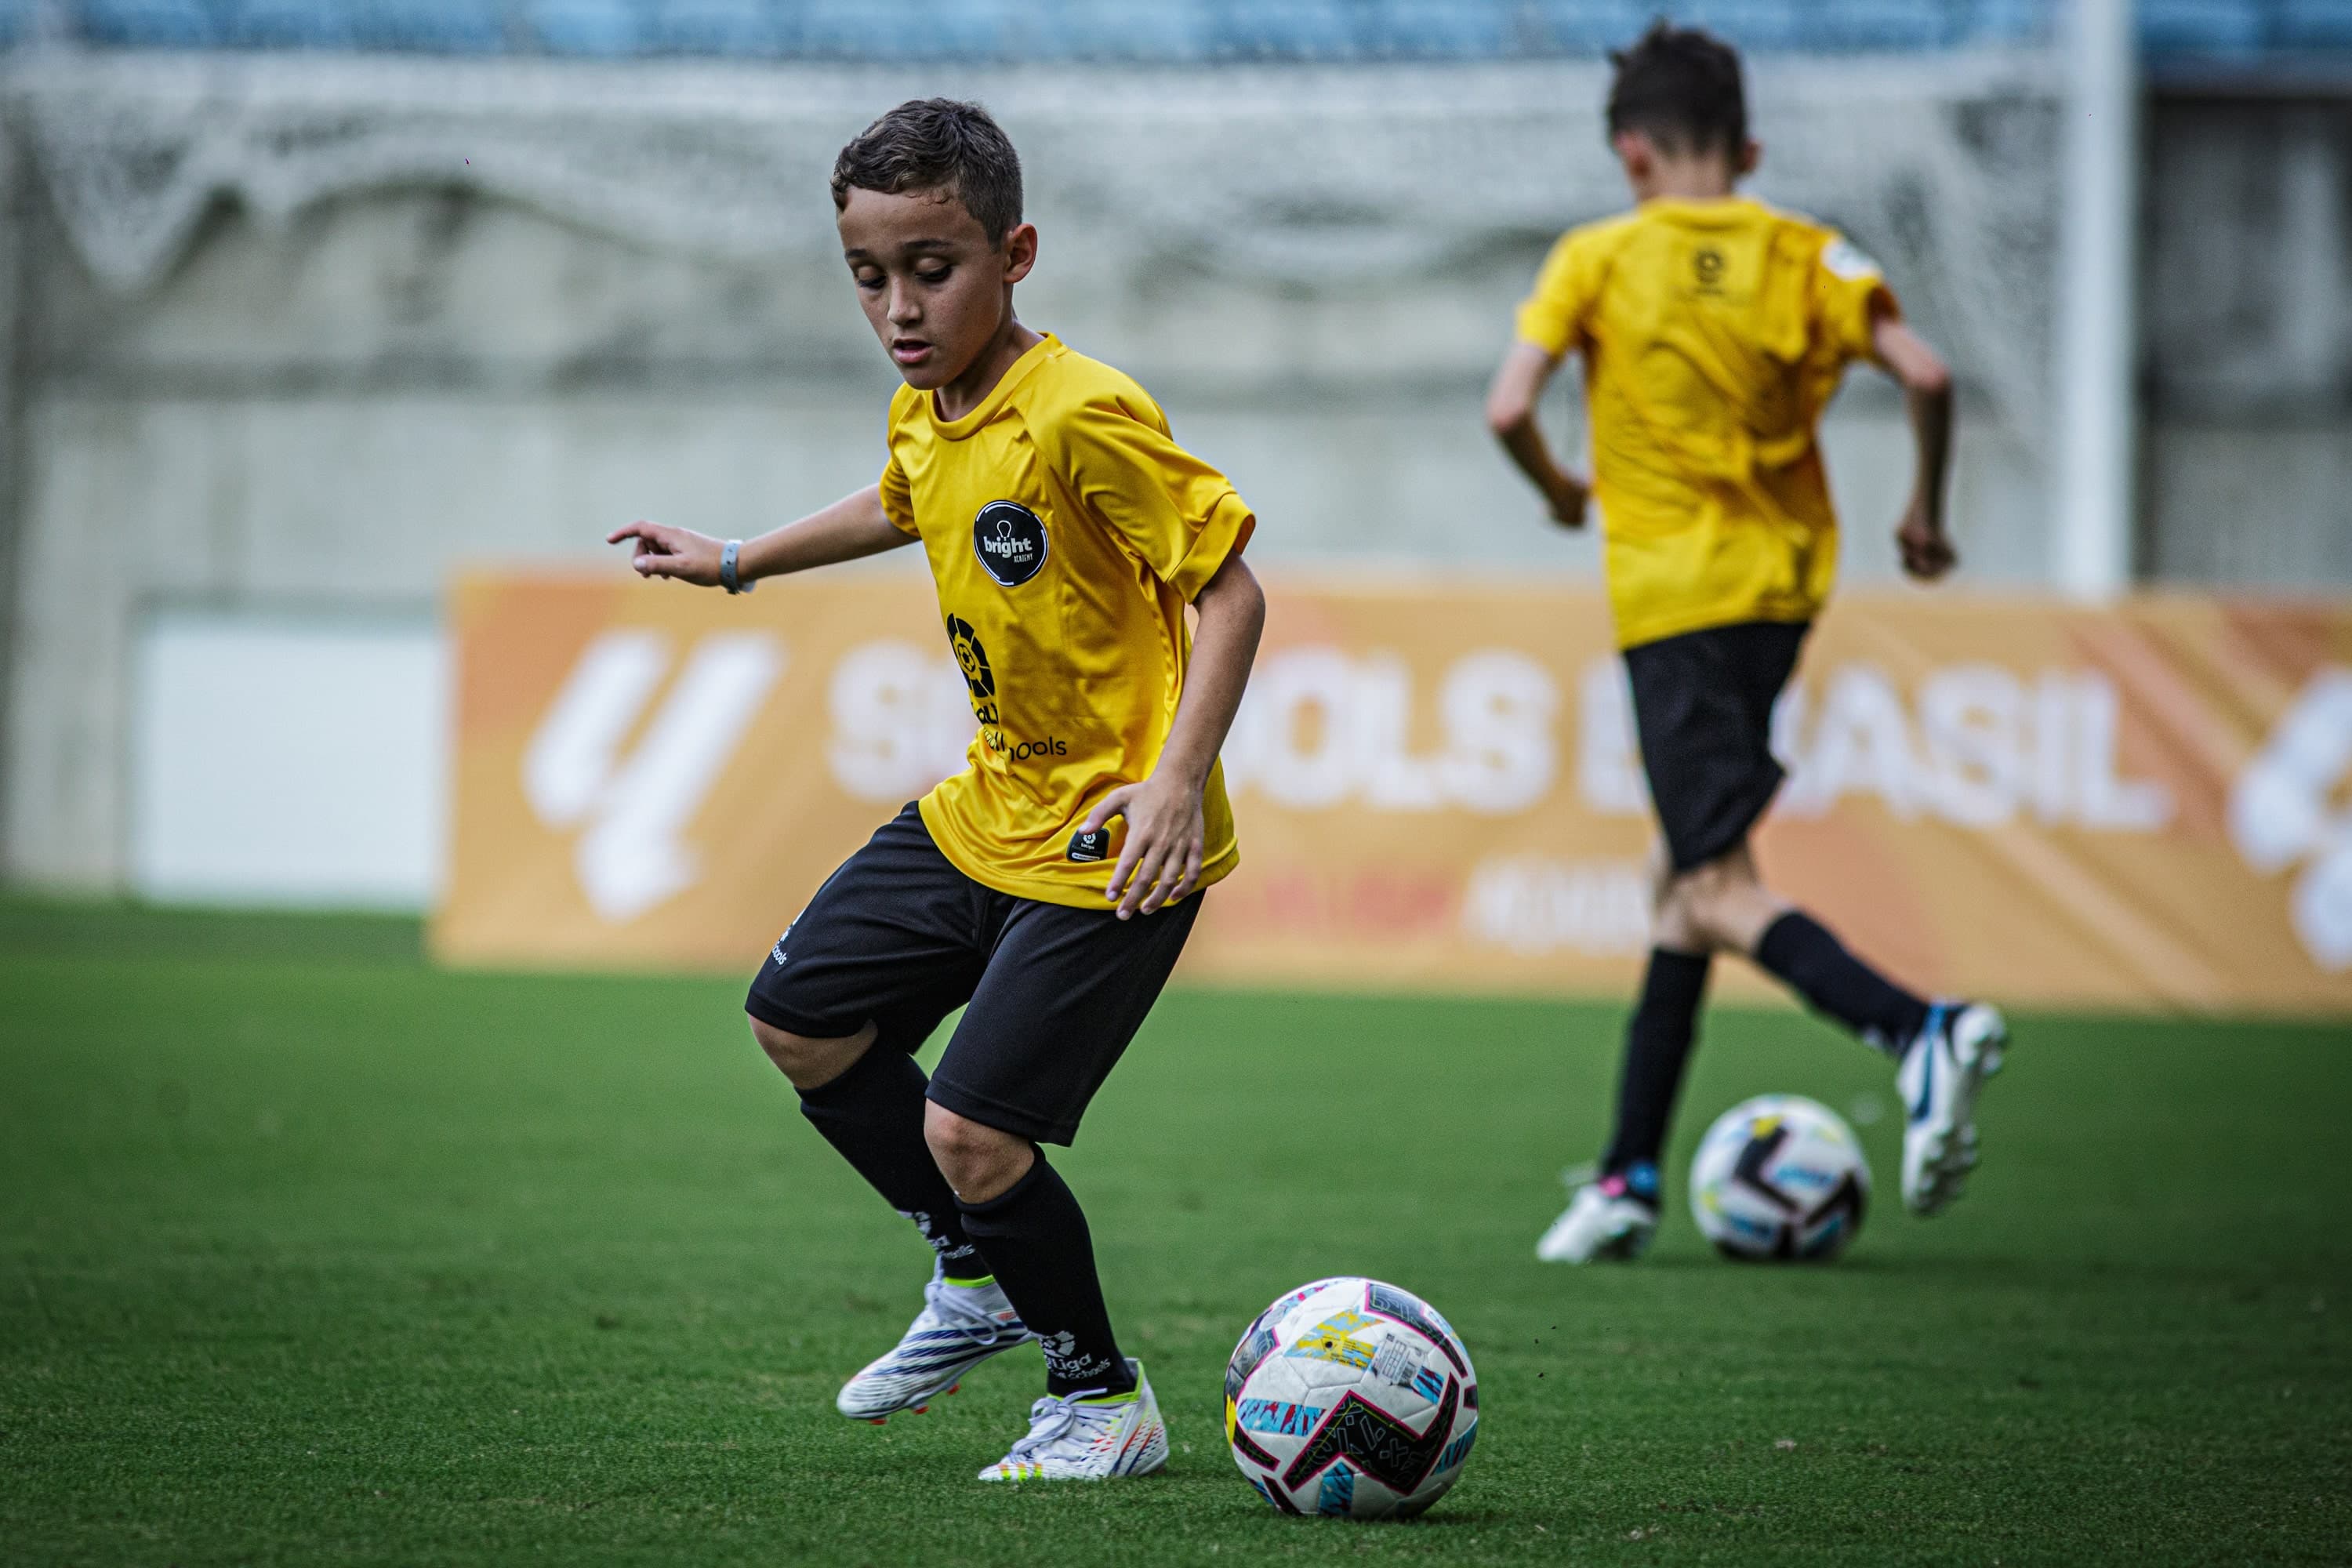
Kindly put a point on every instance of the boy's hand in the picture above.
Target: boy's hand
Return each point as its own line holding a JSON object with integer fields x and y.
{"x": 1568, "y": 499}
{"x": 679, "y": 552}
{"x": 1927, "y": 552}
{"x": 1161, "y": 861}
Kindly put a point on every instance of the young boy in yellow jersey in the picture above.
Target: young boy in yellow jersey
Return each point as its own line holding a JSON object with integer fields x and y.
{"x": 1713, "y": 330}
{"x": 1066, "y": 533}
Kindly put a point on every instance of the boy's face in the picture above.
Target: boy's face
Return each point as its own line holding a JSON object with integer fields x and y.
{"x": 936, "y": 291}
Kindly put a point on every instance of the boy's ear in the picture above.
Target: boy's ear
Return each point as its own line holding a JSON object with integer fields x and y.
{"x": 1751, "y": 152}
{"x": 1635, "y": 150}
{"x": 1020, "y": 251}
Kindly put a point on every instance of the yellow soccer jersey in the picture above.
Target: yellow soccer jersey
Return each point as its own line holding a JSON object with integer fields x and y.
{"x": 1066, "y": 532}
{"x": 1713, "y": 334}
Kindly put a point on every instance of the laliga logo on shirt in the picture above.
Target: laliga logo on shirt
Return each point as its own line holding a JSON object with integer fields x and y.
{"x": 2282, "y": 814}
{"x": 629, "y": 858}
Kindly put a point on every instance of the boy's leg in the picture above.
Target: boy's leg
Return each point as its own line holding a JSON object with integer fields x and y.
{"x": 1803, "y": 955}
{"x": 886, "y": 948}
{"x": 1724, "y": 905}
{"x": 865, "y": 1094}
{"x": 1702, "y": 706}
{"x": 1657, "y": 1046}
{"x": 1064, "y": 991}
{"x": 1943, "y": 1051}
{"x": 1615, "y": 1216}
{"x": 1702, "y": 709}
{"x": 1036, "y": 1237}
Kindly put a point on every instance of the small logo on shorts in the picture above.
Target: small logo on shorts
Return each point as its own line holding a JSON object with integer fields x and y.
{"x": 1095, "y": 846}
{"x": 1010, "y": 542}
{"x": 776, "y": 954}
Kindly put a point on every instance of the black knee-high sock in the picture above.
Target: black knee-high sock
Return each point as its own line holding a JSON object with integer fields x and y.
{"x": 874, "y": 1114}
{"x": 1804, "y": 956}
{"x": 1658, "y": 1045}
{"x": 1036, "y": 1239}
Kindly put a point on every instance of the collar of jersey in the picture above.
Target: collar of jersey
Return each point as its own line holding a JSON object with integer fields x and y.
{"x": 1015, "y": 374}
{"x": 1704, "y": 209}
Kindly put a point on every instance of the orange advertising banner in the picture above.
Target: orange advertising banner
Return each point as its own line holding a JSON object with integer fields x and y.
{"x": 1437, "y": 786}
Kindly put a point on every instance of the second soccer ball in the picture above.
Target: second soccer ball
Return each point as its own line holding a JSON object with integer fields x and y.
{"x": 1779, "y": 1177}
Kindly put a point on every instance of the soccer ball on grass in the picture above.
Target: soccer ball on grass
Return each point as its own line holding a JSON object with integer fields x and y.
{"x": 1779, "y": 1177}
{"x": 1353, "y": 1398}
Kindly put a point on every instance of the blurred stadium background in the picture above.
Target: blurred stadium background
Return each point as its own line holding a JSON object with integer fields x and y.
{"x": 303, "y": 304}
{"x": 313, "y": 1250}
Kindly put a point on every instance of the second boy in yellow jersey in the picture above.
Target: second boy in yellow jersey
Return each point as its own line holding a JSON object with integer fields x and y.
{"x": 1713, "y": 331}
{"x": 1048, "y": 887}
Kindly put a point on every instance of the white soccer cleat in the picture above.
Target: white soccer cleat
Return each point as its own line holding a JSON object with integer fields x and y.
{"x": 960, "y": 1327}
{"x": 1604, "y": 1223}
{"x": 1943, "y": 1071}
{"x": 1088, "y": 1437}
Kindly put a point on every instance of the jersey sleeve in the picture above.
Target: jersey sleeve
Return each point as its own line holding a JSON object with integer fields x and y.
{"x": 1849, "y": 295}
{"x": 1174, "y": 513}
{"x": 897, "y": 498}
{"x": 898, "y": 495}
{"x": 1552, "y": 317}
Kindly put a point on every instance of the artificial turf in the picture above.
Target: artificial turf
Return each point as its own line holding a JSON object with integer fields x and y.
{"x": 311, "y": 1253}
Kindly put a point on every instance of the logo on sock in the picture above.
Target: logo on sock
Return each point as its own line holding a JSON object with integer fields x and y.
{"x": 948, "y": 1250}
{"x": 1064, "y": 1360}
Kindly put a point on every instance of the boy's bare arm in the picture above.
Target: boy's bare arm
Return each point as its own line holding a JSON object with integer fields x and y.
{"x": 1511, "y": 405}
{"x": 1926, "y": 383}
{"x": 1165, "y": 833}
{"x": 852, "y": 527}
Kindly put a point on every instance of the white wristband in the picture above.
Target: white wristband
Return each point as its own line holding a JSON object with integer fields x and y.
{"x": 726, "y": 559}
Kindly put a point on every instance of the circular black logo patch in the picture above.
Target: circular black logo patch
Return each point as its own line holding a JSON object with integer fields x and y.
{"x": 1010, "y": 542}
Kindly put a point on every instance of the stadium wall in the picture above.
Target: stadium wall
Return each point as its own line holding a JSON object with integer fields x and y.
{"x": 265, "y": 388}
{"x": 2247, "y": 335}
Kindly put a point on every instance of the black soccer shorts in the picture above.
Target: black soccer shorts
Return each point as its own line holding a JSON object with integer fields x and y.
{"x": 1702, "y": 708}
{"x": 899, "y": 936}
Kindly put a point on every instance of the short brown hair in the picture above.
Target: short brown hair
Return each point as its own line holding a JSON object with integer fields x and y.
{"x": 937, "y": 144}
{"x": 1681, "y": 88}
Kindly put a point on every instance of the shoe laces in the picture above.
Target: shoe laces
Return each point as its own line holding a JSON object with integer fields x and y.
{"x": 959, "y": 1307}
{"x": 1051, "y": 1419}
{"x": 1056, "y": 1418}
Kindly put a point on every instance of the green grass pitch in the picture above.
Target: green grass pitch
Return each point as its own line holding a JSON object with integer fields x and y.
{"x": 310, "y": 1254}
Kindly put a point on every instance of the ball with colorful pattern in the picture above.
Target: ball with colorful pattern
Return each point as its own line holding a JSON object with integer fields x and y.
{"x": 1779, "y": 1178}
{"x": 1352, "y": 1398}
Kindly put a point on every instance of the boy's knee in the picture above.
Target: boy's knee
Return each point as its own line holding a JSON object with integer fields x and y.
{"x": 1694, "y": 908}
{"x": 979, "y": 1162}
{"x": 1674, "y": 922}
{"x": 1723, "y": 904}
{"x": 1698, "y": 895}
{"x": 809, "y": 1062}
